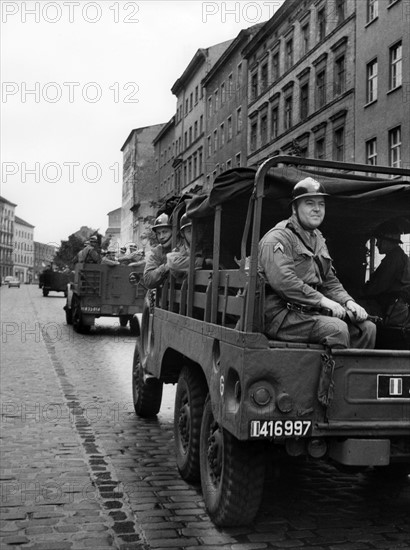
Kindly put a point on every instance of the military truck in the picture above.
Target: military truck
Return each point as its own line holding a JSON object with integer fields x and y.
{"x": 242, "y": 398}
{"x": 101, "y": 290}
{"x": 56, "y": 281}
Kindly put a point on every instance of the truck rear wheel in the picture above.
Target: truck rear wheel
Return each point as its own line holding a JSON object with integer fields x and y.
{"x": 189, "y": 405}
{"x": 45, "y": 292}
{"x": 146, "y": 393}
{"x": 123, "y": 320}
{"x": 232, "y": 473}
{"x": 77, "y": 317}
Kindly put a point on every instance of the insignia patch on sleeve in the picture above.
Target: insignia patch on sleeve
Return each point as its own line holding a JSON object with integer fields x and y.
{"x": 278, "y": 246}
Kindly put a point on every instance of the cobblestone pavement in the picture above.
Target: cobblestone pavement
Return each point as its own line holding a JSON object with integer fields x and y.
{"x": 80, "y": 470}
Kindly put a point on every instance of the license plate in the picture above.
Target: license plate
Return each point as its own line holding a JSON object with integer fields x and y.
{"x": 260, "y": 429}
{"x": 90, "y": 309}
{"x": 393, "y": 386}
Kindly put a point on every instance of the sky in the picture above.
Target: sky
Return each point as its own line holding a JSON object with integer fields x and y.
{"x": 76, "y": 78}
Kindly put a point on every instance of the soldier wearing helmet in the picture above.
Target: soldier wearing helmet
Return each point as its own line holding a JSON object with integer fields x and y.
{"x": 387, "y": 292}
{"x": 156, "y": 268}
{"x": 301, "y": 281}
{"x": 89, "y": 254}
{"x": 134, "y": 257}
{"x": 109, "y": 257}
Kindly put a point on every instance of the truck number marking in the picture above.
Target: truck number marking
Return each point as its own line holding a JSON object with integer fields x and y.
{"x": 280, "y": 428}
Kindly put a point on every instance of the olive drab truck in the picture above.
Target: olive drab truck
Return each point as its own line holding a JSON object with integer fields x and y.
{"x": 101, "y": 290}
{"x": 242, "y": 398}
{"x": 56, "y": 281}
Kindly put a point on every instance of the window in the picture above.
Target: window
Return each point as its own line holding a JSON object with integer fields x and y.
{"x": 289, "y": 54}
{"x": 200, "y": 160}
{"x": 222, "y": 93}
{"x": 238, "y": 120}
{"x": 371, "y": 85}
{"x": 340, "y": 11}
{"x": 196, "y": 95}
{"x": 274, "y": 122}
{"x": 191, "y": 101}
{"x": 372, "y": 10}
{"x": 229, "y": 128}
{"x": 395, "y": 70}
{"x": 201, "y": 124}
{"x": 339, "y": 85}
{"x": 222, "y": 132}
{"x": 254, "y": 85}
{"x": 238, "y": 159}
{"x": 288, "y": 111}
{"x": 264, "y": 128}
{"x": 321, "y": 23}
{"x": 210, "y": 106}
{"x": 275, "y": 66}
{"x": 215, "y": 140}
{"x": 190, "y": 135}
{"x": 339, "y": 144}
{"x": 320, "y": 148}
{"x": 216, "y": 100}
{"x": 195, "y": 129}
{"x": 228, "y": 164}
{"x": 371, "y": 151}
{"x": 230, "y": 86}
{"x": 264, "y": 77}
{"x": 239, "y": 77}
{"x": 185, "y": 140}
{"x": 305, "y": 39}
{"x": 304, "y": 101}
{"x": 254, "y": 134}
{"x": 186, "y": 107}
{"x": 320, "y": 88}
{"x": 395, "y": 147}
{"x": 209, "y": 146}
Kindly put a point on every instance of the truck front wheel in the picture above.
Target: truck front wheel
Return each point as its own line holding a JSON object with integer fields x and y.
{"x": 146, "y": 392}
{"x": 189, "y": 405}
{"x": 232, "y": 473}
{"x": 77, "y": 317}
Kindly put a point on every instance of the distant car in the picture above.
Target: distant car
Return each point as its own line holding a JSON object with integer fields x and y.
{"x": 13, "y": 281}
{"x": 7, "y": 279}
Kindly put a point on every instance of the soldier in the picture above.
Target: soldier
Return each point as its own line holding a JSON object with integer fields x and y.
{"x": 89, "y": 254}
{"x": 178, "y": 259}
{"x": 109, "y": 257}
{"x": 156, "y": 268}
{"x": 387, "y": 292}
{"x": 301, "y": 281}
{"x": 134, "y": 256}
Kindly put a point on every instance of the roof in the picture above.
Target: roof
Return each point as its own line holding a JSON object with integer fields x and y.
{"x": 22, "y": 222}
{"x": 138, "y": 131}
{"x": 357, "y": 203}
{"x": 2, "y": 199}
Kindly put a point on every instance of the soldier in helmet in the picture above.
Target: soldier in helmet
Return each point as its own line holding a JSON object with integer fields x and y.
{"x": 89, "y": 254}
{"x": 133, "y": 257}
{"x": 301, "y": 281}
{"x": 387, "y": 292}
{"x": 156, "y": 268}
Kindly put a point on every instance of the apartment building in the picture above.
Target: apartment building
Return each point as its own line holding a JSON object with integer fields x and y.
{"x": 138, "y": 183}
{"x": 188, "y": 162}
{"x": 301, "y": 78}
{"x": 383, "y": 82}
{"x": 23, "y": 250}
{"x": 226, "y": 106}
{"x": 6, "y": 237}
{"x": 164, "y": 147}
{"x": 43, "y": 256}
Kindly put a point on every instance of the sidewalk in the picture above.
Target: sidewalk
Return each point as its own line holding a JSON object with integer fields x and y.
{"x": 49, "y": 496}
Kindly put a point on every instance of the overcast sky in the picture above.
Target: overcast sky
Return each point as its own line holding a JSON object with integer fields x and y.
{"x": 77, "y": 77}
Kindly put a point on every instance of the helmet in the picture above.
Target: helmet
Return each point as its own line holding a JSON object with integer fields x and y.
{"x": 104, "y": 252}
{"x": 93, "y": 239}
{"x": 161, "y": 222}
{"x": 308, "y": 187}
{"x": 86, "y": 243}
{"x": 184, "y": 222}
{"x": 123, "y": 249}
{"x": 388, "y": 231}
{"x": 133, "y": 246}
{"x": 111, "y": 250}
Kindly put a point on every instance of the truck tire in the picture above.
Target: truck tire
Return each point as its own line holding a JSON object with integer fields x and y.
{"x": 134, "y": 327}
{"x": 45, "y": 292}
{"x": 189, "y": 405}
{"x": 232, "y": 473}
{"x": 147, "y": 394}
{"x": 123, "y": 320}
{"x": 77, "y": 317}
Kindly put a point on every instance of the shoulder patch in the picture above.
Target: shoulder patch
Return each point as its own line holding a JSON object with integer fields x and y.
{"x": 278, "y": 246}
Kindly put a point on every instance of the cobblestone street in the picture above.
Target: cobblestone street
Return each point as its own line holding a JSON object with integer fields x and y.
{"x": 80, "y": 470}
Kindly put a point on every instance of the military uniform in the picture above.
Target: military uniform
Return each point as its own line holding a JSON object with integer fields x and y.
{"x": 89, "y": 255}
{"x": 155, "y": 271}
{"x": 298, "y": 269}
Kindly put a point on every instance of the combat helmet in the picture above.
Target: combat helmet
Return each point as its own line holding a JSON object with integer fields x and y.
{"x": 308, "y": 187}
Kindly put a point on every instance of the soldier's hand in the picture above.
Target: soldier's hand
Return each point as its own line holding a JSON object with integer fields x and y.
{"x": 358, "y": 311}
{"x": 336, "y": 309}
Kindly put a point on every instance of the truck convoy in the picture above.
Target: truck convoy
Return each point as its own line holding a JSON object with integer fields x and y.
{"x": 101, "y": 290}
{"x": 56, "y": 281}
{"x": 243, "y": 398}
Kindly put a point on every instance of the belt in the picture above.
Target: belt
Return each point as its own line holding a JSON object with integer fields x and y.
{"x": 300, "y": 308}
{"x": 269, "y": 290}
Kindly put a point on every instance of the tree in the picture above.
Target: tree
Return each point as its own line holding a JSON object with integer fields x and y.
{"x": 71, "y": 247}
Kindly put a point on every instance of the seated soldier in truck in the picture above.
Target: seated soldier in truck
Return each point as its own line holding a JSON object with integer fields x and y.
{"x": 156, "y": 268}
{"x": 301, "y": 281}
